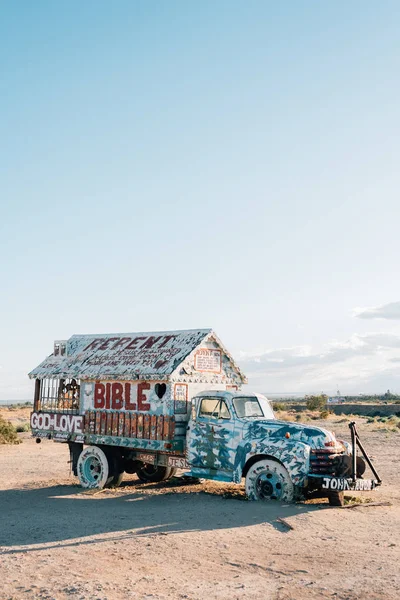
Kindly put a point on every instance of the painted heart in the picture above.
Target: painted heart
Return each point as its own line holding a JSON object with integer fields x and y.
{"x": 160, "y": 389}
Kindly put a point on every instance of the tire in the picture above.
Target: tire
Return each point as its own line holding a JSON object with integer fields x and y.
{"x": 150, "y": 473}
{"x": 115, "y": 471}
{"x": 116, "y": 480}
{"x": 93, "y": 468}
{"x": 336, "y": 499}
{"x": 269, "y": 481}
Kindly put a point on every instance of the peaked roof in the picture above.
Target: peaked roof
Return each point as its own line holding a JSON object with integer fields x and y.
{"x": 149, "y": 355}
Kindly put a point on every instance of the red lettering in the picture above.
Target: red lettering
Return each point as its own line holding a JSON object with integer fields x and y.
{"x": 99, "y": 390}
{"x": 120, "y": 342}
{"x": 166, "y": 339}
{"x": 104, "y": 345}
{"x": 108, "y": 397}
{"x": 141, "y": 397}
{"x": 133, "y": 343}
{"x": 150, "y": 342}
{"x": 93, "y": 344}
{"x": 128, "y": 404}
{"x": 117, "y": 396}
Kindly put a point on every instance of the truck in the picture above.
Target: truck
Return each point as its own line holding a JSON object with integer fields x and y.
{"x": 151, "y": 403}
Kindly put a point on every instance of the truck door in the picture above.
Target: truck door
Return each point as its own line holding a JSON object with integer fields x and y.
{"x": 210, "y": 439}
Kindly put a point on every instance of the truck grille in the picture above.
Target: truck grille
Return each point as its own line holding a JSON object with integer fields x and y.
{"x": 324, "y": 462}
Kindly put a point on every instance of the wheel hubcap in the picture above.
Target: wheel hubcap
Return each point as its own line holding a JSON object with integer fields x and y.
{"x": 93, "y": 469}
{"x": 269, "y": 486}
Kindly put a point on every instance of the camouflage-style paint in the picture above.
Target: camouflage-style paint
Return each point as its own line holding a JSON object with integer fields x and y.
{"x": 220, "y": 449}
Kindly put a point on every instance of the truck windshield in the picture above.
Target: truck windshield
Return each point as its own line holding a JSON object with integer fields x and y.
{"x": 247, "y": 407}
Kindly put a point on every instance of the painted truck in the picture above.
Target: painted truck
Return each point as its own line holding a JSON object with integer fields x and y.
{"x": 152, "y": 403}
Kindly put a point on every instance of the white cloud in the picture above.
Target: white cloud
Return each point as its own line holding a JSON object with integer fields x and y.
{"x": 363, "y": 363}
{"x": 386, "y": 311}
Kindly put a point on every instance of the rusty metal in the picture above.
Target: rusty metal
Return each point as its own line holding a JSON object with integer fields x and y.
{"x": 354, "y": 433}
{"x": 147, "y": 356}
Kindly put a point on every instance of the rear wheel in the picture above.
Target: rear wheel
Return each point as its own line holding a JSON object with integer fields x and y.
{"x": 151, "y": 473}
{"x": 116, "y": 480}
{"x": 93, "y": 468}
{"x": 116, "y": 471}
{"x": 268, "y": 480}
{"x": 98, "y": 468}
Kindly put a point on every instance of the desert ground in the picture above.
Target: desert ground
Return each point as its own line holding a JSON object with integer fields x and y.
{"x": 174, "y": 541}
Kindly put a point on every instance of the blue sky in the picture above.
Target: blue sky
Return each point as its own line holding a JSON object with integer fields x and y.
{"x": 171, "y": 165}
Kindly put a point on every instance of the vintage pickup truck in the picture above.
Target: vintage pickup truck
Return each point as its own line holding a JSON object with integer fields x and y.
{"x": 150, "y": 403}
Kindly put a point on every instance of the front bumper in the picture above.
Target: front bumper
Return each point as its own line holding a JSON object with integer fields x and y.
{"x": 342, "y": 484}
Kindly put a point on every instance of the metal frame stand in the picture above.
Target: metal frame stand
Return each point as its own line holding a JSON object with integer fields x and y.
{"x": 355, "y": 441}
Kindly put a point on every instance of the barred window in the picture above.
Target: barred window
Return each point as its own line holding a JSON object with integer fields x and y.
{"x": 59, "y": 395}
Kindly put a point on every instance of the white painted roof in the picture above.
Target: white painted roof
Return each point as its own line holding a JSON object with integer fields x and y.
{"x": 148, "y": 355}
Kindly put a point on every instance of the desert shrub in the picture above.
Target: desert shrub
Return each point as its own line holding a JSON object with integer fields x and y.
{"x": 8, "y": 434}
{"x": 278, "y": 406}
{"x": 316, "y": 402}
{"x": 23, "y": 427}
{"x": 324, "y": 414}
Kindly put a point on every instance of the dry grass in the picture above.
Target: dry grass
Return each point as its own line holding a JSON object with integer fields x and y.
{"x": 8, "y": 433}
{"x": 390, "y": 424}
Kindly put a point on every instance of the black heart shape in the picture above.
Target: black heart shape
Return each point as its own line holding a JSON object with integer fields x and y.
{"x": 160, "y": 389}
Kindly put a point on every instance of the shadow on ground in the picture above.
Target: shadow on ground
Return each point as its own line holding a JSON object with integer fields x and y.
{"x": 61, "y": 514}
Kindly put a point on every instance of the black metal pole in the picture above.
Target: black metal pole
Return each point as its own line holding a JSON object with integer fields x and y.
{"x": 367, "y": 458}
{"x": 352, "y": 426}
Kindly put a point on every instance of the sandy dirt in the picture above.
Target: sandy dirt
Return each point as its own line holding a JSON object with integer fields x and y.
{"x": 173, "y": 541}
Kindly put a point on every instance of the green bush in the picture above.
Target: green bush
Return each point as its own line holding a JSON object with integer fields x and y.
{"x": 23, "y": 427}
{"x": 8, "y": 434}
{"x": 316, "y": 402}
{"x": 324, "y": 414}
{"x": 278, "y": 406}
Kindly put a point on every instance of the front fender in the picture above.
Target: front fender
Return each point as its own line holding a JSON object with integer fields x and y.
{"x": 295, "y": 457}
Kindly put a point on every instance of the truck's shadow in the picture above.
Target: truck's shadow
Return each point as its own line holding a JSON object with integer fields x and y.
{"x": 67, "y": 515}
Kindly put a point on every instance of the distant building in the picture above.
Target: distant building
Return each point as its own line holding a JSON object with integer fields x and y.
{"x": 335, "y": 400}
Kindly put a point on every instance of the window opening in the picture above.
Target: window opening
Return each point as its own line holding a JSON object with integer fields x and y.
{"x": 214, "y": 408}
{"x": 59, "y": 395}
{"x": 247, "y": 408}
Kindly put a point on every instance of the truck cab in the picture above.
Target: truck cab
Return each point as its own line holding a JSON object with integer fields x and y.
{"x": 231, "y": 435}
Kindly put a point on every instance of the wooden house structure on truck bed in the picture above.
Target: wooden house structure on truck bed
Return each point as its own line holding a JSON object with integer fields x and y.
{"x": 132, "y": 389}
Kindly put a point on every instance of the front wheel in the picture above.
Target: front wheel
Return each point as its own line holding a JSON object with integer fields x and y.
{"x": 268, "y": 480}
{"x": 150, "y": 473}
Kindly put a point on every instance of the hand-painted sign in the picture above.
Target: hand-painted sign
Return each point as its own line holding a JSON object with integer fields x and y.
{"x": 141, "y": 396}
{"x": 181, "y": 392}
{"x": 57, "y": 422}
{"x": 177, "y": 462}
{"x": 207, "y": 360}
{"x": 117, "y": 396}
{"x": 180, "y": 398}
{"x": 150, "y": 459}
{"x": 340, "y": 483}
